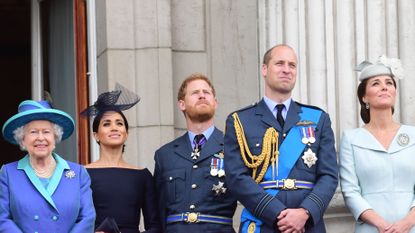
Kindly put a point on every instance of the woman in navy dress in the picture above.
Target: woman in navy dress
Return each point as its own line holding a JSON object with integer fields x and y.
{"x": 120, "y": 190}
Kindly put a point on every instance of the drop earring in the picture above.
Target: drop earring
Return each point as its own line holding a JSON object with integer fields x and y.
{"x": 367, "y": 105}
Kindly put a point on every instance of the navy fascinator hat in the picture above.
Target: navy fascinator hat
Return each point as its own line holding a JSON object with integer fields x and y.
{"x": 118, "y": 100}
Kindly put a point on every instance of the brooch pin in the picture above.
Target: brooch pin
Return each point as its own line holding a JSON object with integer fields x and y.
{"x": 309, "y": 158}
{"x": 70, "y": 174}
{"x": 219, "y": 188}
{"x": 403, "y": 139}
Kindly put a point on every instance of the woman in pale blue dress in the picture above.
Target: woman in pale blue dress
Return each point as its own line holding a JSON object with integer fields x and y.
{"x": 377, "y": 161}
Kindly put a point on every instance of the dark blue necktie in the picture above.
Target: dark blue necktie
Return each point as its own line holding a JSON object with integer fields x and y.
{"x": 280, "y": 118}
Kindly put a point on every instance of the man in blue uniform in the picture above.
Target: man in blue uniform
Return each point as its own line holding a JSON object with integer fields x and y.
{"x": 279, "y": 154}
{"x": 189, "y": 171}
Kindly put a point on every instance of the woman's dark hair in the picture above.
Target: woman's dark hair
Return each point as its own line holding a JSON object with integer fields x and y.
{"x": 361, "y": 91}
{"x": 97, "y": 120}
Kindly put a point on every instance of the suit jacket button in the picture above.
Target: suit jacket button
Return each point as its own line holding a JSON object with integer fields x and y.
{"x": 170, "y": 178}
{"x": 192, "y": 207}
{"x": 36, "y": 217}
{"x": 195, "y": 166}
{"x": 54, "y": 218}
{"x": 194, "y": 186}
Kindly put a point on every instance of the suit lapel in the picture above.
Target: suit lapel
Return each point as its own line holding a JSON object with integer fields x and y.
{"x": 266, "y": 115}
{"x": 61, "y": 165}
{"x": 403, "y": 139}
{"x": 212, "y": 146}
{"x": 365, "y": 139}
{"x": 24, "y": 164}
{"x": 268, "y": 118}
{"x": 293, "y": 116}
{"x": 183, "y": 148}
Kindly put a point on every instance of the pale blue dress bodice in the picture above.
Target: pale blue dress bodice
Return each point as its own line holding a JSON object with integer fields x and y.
{"x": 374, "y": 178}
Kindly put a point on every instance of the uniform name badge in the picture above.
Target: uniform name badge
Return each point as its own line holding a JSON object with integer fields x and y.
{"x": 309, "y": 158}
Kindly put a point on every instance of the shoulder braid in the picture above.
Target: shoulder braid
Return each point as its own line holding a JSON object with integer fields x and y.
{"x": 268, "y": 154}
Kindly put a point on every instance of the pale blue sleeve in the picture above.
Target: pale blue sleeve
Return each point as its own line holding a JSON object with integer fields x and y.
{"x": 349, "y": 181}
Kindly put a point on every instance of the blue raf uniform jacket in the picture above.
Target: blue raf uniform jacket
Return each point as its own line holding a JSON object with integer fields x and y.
{"x": 255, "y": 120}
{"x": 185, "y": 185}
{"x": 64, "y": 206}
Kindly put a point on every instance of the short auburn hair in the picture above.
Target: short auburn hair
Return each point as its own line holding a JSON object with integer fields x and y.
{"x": 196, "y": 76}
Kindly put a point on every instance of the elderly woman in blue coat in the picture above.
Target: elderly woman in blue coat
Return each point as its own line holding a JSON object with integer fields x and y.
{"x": 42, "y": 192}
{"x": 377, "y": 161}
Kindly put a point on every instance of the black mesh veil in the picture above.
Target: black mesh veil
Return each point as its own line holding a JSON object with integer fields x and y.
{"x": 118, "y": 100}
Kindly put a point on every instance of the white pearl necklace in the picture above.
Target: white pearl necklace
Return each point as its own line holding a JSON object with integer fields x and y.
{"x": 46, "y": 172}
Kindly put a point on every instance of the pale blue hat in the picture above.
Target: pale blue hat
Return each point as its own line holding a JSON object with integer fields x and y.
{"x": 384, "y": 66}
{"x": 30, "y": 110}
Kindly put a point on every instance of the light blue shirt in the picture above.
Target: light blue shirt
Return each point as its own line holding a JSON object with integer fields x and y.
{"x": 205, "y": 133}
{"x": 272, "y": 106}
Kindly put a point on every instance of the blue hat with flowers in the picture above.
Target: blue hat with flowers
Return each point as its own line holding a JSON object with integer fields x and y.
{"x": 30, "y": 110}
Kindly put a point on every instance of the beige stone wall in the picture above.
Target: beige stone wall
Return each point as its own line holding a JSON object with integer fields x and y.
{"x": 134, "y": 49}
{"x": 152, "y": 45}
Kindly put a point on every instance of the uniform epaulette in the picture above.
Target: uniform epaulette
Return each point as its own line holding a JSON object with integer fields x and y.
{"x": 247, "y": 107}
{"x": 310, "y": 106}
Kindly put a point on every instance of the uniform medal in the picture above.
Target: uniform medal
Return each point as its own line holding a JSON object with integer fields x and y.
{"x": 195, "y": 153}
{"x": 220, "y": 164}
{"x": 214, "y": 167}
{"x": 221, "y": 171}
{"x": 311, "y": 135}
{"x": 219, "y": 188}
{"x": 309, "y": 158}
{"x": 304, "y": 137}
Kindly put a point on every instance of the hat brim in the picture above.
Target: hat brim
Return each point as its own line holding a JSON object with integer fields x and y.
{"x": 375, "y": 70}
{"x": 53, "y": 115}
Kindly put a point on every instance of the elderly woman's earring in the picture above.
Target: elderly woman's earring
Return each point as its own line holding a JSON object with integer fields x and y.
{"x": 367, "y": 105}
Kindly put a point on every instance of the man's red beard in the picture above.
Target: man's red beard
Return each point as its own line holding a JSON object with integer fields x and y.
{"x": 200, "y": 114}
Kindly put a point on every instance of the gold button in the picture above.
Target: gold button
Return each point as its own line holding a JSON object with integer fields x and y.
{"x": 289, "y": 184}
{"x": 192, "y": 217}
{"x": 195, "y": 166}
{"x": 194, "y": 186}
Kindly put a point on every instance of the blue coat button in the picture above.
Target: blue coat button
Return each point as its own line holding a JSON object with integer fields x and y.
{"x": 54, "y": 218}
{"x": 36, "y": 217}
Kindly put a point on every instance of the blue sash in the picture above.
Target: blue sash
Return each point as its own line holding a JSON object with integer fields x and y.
{"x": 291, "y": 146}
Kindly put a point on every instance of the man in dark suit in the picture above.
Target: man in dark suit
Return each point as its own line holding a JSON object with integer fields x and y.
{"x": 189, "y": 171}
{"x": 279, "y": 154}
